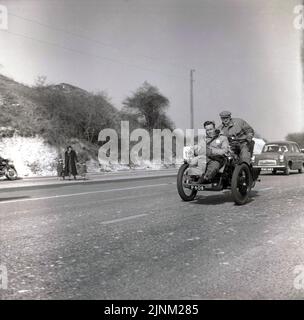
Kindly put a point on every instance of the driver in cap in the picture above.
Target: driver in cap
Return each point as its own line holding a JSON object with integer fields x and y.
{"x": 241, "y": 131}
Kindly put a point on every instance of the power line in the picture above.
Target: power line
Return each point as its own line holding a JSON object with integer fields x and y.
{"x": 92, "y": 55}
{"x": 100, "y": 43}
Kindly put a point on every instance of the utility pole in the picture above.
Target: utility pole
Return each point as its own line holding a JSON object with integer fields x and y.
{"x": 191, "y": 99}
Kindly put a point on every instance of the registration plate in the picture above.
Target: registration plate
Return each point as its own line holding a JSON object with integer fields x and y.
{"x": 267, "y": 169}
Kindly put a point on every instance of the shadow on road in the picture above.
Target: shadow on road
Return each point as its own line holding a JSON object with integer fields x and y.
{"x": 8, "y": 180}
{"x": 280, "y": 173}
{"x": 13, "y": 198}
{"x": 221, "y": 198}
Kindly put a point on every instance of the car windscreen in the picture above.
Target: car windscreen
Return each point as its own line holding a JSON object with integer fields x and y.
{"x": 275, "y": 148}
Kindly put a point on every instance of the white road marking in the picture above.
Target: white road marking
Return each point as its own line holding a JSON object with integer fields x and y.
{"x": 83, "y": 193}
{"x": 265, "y": 189}
{"x": 67, "y": 206}
{"x": 124, "y": 219}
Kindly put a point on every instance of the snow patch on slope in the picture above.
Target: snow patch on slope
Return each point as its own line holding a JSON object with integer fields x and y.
{"x": 31, "y": 156}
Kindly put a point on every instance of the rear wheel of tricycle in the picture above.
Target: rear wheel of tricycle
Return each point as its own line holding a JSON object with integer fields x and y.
{"x": 185, "y": 193}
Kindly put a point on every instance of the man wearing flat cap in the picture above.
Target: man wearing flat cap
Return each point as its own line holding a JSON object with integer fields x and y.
{"x": 241, "y": 131}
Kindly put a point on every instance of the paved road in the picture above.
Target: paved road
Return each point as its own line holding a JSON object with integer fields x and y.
{"x": 137, "y": 240}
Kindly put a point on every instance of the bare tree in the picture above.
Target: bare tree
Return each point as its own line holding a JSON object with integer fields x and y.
{"x": 149, "y": 105}
{"x": 40, "y": 81}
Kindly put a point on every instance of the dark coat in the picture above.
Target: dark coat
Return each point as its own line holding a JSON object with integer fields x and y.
{"x": 70, "y": 163}
{"x": 238, "y": 128}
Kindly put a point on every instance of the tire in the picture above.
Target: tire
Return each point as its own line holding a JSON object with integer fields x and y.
{"x": 287, "y": 170}
{"x": 274, "y": 171}
{"x": 180, "y": 188}
{"x": 11, "y": 174}
{"x": 301, "y": 170}
{"x": 241, "y": 183}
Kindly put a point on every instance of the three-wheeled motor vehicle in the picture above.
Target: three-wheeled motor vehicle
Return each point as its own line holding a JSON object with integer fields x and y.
{"x": 239, "y": 177}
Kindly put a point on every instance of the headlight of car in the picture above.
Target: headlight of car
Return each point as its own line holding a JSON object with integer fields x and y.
{"x": 281, "y": 158}
{"x": 252, "y": 158}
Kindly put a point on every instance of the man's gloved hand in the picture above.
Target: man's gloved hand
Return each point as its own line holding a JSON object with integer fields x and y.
{"x": 208, "y": 152}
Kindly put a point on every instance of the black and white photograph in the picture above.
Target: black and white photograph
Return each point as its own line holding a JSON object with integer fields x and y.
{"x": 151, "y": 151}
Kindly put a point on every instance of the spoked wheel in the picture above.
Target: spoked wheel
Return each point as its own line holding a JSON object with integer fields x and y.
{"x": 11, "y": 174}
{"x": 241, "y": 183}
{"x": 185, "y": 193}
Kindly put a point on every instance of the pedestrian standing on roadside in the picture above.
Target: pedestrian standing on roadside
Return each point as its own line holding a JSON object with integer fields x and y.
{"x": 70, "y": 160}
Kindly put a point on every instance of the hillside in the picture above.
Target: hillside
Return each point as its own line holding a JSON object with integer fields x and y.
{"x": 56, "y": 112}
{"x": 18, "y": 110}
{"x": 37, "y": 123}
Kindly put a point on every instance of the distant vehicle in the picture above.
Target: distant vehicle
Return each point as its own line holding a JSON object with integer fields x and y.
{"x": 280, "y": 156}
{"x": 8, "y": 169}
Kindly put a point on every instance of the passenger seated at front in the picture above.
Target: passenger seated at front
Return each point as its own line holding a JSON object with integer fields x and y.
{"x": 216, "y": 151}
{"x": 210, "y": 156}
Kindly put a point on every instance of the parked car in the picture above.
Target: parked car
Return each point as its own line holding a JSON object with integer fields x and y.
{"x": 280, "y": 156}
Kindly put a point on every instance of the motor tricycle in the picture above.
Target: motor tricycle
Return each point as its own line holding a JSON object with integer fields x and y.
{"x": 239, "y": 177}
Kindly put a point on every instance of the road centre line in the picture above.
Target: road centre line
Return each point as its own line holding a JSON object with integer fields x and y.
{"x": 83, "y": 193}
{"x": 124, "y": 219}
{"x": 67, "y": 206}
{"x": 265, "y": 189}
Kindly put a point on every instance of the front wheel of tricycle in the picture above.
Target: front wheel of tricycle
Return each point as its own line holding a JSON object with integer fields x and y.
{"x": 241, "y": 183}
{"x": 185, "y": 193}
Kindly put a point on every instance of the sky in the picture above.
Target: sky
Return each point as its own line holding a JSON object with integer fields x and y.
{"x": 246, "y": 54}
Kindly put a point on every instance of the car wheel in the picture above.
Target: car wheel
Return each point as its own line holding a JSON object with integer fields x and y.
{"x": 274, "y": 171}
{"x": 301, "y": 170}
{"x": 287, "y": 170}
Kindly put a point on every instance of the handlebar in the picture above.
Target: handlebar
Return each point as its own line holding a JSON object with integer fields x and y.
{"x": 234, "y": 139}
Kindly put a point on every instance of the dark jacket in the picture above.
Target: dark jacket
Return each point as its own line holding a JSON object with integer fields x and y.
{"x": 238, "y": 128}
{"x": 70, "y": 163}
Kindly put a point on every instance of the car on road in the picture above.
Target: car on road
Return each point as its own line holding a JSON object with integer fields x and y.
{"x": 280, "y": 156}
